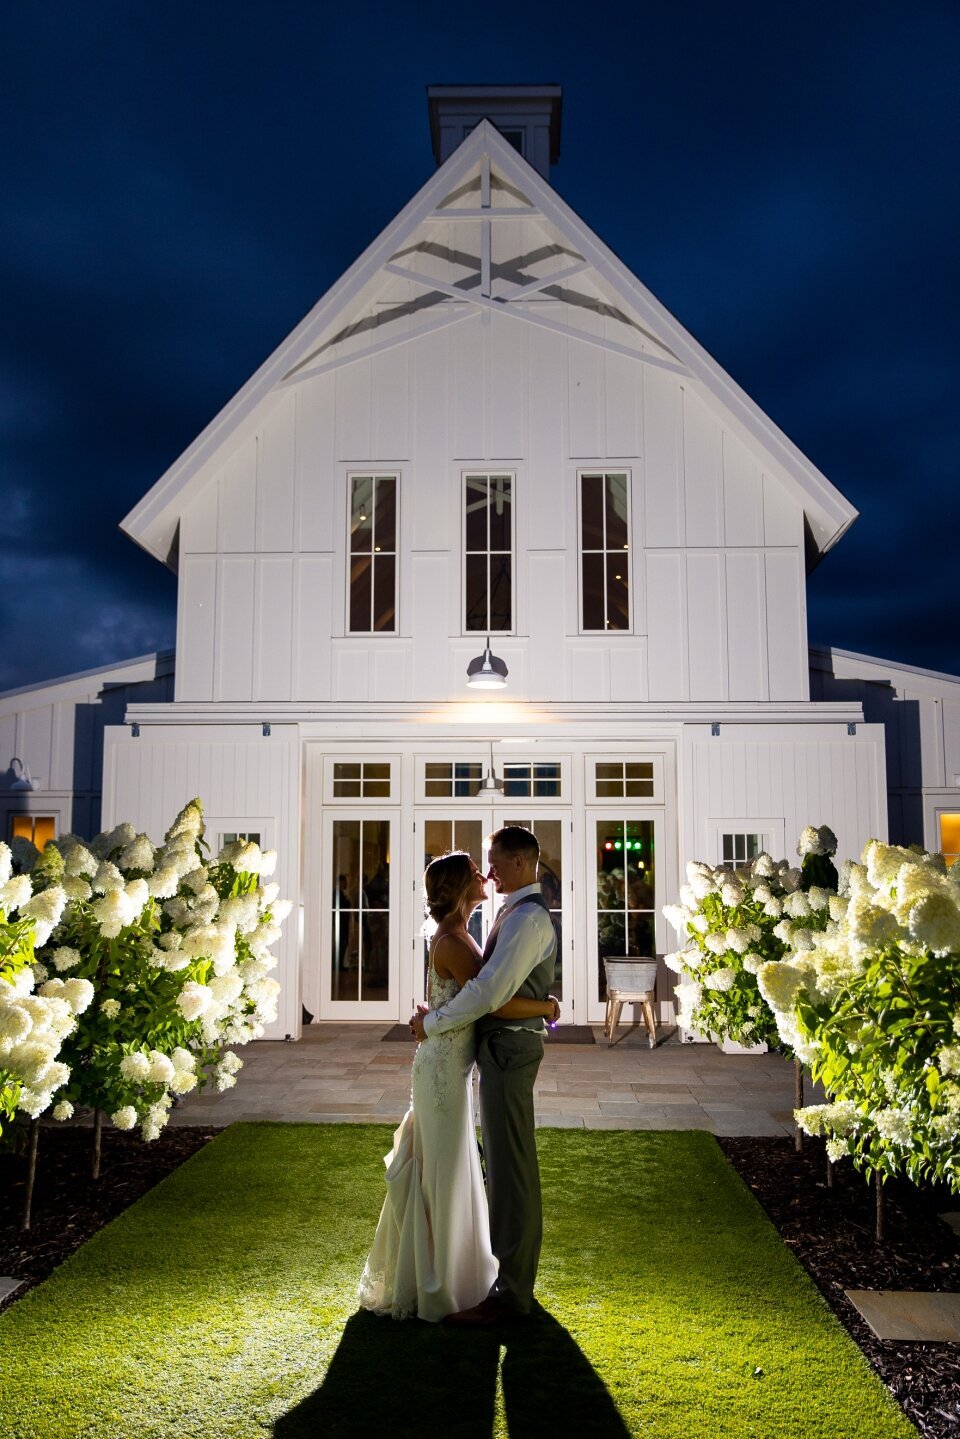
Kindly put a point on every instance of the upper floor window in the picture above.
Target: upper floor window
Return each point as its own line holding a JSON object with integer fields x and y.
{"x": 605, "y": 551}
{"x": 488, "y": 553}
{"x": 373, "y": 554}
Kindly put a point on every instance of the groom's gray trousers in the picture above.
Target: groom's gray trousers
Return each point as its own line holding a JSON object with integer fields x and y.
{"x": 508, "y": 1060}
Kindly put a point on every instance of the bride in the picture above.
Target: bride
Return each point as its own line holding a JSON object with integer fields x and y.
{"x": 431, "y": 1253}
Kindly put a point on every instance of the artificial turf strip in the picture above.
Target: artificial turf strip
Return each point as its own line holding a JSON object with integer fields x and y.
{"x": 223, "y": 1305}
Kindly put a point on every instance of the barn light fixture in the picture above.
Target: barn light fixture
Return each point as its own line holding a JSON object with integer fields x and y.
{"x": 24, "y": 779}
{"x": 491, "y": 785}
{"x": 487, "y": 672}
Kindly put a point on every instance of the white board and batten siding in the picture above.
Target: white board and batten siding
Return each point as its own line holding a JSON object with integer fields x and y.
{"x": 717, "y": 579}
{"x": 247, "y": 782}
{"x": 56, "y": 732}
{"x": 778, "y": 779}
{"x": 920, "y": 713}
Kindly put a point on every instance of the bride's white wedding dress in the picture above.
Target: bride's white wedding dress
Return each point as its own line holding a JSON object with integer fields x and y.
{"x": 431, "y": 1253}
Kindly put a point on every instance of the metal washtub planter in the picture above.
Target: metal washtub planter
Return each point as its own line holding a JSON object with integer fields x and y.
{"x": 630, "y": 981}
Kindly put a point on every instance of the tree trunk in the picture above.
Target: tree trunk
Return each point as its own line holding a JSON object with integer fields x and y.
{"x": 31, "y": 1174}
{"x": 97, "y": 1132}
{"x": 798, "y": 1100}
{"x": 829, "y": 1173}
{"x": 880, "y": 1218}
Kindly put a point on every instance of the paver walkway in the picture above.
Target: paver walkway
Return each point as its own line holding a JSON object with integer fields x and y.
{"x": 341, "y": 1073}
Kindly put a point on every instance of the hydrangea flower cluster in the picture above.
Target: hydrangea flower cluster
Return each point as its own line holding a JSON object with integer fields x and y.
{"x": 726, "y": 918}
{"x": 33, "y": 1025}
{"x": 874, "y": 1007}
{"x": 170, "y": 953}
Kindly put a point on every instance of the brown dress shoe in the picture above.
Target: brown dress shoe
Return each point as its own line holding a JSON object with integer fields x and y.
{"x": 488, "y": 1312}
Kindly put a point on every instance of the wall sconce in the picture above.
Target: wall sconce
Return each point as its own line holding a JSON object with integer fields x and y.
{"x": 24, "y": 780}
{"x": 715, "y": 728}
{"x": 487, "y": 672}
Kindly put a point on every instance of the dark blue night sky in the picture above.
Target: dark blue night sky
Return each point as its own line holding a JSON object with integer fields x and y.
{"x": 182, "y": 181}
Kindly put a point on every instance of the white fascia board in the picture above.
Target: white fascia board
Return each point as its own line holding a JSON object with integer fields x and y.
{"x": 829, "y": 512}
{"x": 128, "y": 672}
{"x": 871, "y": 667}
{"x": 153, "y": 521}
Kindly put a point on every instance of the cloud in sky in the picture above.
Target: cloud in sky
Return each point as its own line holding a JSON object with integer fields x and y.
{"x": 178, "y": 191}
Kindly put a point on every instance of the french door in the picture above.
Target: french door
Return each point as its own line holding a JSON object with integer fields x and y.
{"x": 358, "y": 930}
{"x": 623, "y": 902}
{"x": 437, "y": 832}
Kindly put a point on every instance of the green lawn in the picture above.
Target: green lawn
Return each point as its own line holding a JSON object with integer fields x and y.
{"x": 222, "y": 1305}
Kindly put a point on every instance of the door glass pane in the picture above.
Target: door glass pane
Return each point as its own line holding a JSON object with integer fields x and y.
{"x": 360, "y": 959}
{"x": 440, "y": 836}
{"x": 626, "y": 892}
{"x": 549, "y": 833}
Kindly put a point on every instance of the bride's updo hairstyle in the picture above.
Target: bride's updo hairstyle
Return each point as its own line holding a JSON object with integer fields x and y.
{"x": 445, "y": 884}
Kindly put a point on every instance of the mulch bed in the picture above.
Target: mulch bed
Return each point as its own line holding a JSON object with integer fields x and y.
{"x": 69, "y": 1206}
{"x": 831, "y": 1231}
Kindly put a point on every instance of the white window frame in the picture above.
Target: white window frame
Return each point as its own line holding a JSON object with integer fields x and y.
{"x": 474, "y": 472}
{"x": 592, "y": 760}
{"x": 372, "y": 472}
{"x": 482, "y": 758}
{"x": 771, "y": 832}
{"x": 361, "y": 801}
{"x": 605, "y": 469}
{"x": 217, "y": 825}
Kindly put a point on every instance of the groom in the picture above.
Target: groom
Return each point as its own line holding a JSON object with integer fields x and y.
{"x": 519, "y": 958}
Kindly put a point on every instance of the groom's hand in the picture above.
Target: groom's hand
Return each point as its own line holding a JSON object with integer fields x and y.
{"x": 416, "y": 1023}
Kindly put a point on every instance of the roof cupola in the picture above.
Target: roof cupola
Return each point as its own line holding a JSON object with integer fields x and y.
{"x": 528, "y": 116}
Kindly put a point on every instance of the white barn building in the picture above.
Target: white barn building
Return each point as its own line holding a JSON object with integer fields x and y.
{"x": 489, "y": 428}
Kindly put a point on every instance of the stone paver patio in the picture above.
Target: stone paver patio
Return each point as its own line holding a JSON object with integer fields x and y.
{"x": 348, "y": 1073}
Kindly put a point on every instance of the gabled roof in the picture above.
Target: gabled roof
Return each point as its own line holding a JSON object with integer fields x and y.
{"x": 431, "y": 285}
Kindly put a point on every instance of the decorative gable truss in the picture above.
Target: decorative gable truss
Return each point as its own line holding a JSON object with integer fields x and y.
{"x": 485, "y": 249}
{"x": 485, "y": 236}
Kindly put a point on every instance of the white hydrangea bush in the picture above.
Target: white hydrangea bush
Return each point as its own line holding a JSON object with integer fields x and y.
{"x": 732, "y": 922}
{"x": 177, "y": 952}
{"x": 33, "y": 1026}
{"x": 873, "y": 1006}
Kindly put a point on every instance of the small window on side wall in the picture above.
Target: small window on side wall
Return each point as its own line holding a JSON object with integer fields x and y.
{"x": 740, "y": 849}
{"x": 39, "y": 829}
{"x": 372, "y": 601}
{"x": 950, "y": 837}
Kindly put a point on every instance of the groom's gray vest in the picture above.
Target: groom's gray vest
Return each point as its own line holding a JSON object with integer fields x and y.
{"x": 536, "y": 985}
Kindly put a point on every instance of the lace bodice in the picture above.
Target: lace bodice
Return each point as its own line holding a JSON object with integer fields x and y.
{"x": 442, "y": 1060}
{"x": 439, "y": 989}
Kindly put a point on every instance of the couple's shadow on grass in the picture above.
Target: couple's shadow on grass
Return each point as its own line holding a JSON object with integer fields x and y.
{"x": 413, "y": 1379}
